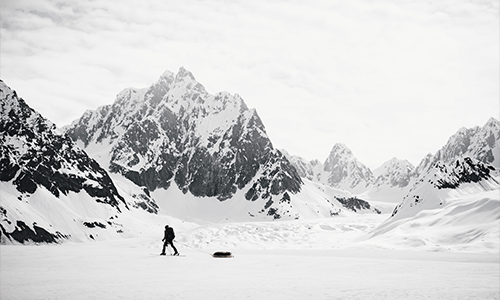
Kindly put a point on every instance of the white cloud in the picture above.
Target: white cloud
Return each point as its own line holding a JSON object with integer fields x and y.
{"x": 387, "y": 78}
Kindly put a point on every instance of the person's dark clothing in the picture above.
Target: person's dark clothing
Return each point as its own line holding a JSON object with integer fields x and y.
{"x": 169, "y": 234}
{"x": 168, "y": 239}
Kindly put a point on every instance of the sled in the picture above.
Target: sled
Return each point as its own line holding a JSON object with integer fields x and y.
{"x": 222, "y": 254}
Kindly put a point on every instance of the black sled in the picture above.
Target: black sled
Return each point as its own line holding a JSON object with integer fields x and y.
{"x": 222, "y": 254}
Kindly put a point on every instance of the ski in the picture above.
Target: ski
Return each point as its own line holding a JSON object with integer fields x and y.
{"x": 180, "y": 255}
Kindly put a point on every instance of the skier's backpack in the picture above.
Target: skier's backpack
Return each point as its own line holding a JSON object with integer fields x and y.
{"x": 170, "y": 233}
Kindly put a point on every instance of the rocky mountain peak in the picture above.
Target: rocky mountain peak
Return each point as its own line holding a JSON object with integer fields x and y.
{"x": 167, "y": 75}
{"x": 463, "y": 170}
{"x": 392, "y": 164}
{"x": 339, "y": 153}
{"x": 34, "y": 155}
{"x": 493, "y": 124}
{"x": 465, "y": 175}
{"x": 184, "y": 74}
{"x": 176, "y": 132}
{"x": 395, "y": 172}
{"x": 467, "y": 163}
{"x": 480, "y": 143}
{"x": 17, "y": 118}
{"x": 341, "y": 149}
{"x": 345, "y": 171}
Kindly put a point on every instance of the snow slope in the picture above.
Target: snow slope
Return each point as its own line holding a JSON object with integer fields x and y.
{"x": 77, "y": 217}
{"x": 464, "y": 218}
{"x": 450, "y": 253}
{"x": 469, "y": 223}
{"x": 313, "y": 201}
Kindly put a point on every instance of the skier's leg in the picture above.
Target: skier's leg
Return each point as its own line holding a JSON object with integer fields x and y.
{"x": 164, "y": 246}
{"x": 173, "y": 247}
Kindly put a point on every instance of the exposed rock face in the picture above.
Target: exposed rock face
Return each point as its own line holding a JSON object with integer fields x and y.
{"x": 310, "y": 170}
{"x": 278, "y": 176}
{"x": 468, "y": 163}
{"x": 344, "y": 170}
{"x": 464, "y": 170}
{"x": 356, "y": 204}
{"x": 32, "y": 154}
{"x": 340, "y": 170}
{"x": 466, "y": 175}
{"x": 35, "y": 158}
{"x": 23, "y": 233}
{"x": 176, "y": 132}
{"x": 394, "y": 173}
{"x": 480, "y": 143}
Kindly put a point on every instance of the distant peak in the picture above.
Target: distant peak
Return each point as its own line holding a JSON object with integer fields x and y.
{"x": 396, "y": 160}
{"x": 340, "y": 148}
{"x": 183, "y": 73}
{"x": 492, "y": 122}
{"x": 168, "y": 74}
{"x": 462, "y": 130}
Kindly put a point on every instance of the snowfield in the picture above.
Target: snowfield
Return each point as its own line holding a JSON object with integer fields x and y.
{"x": 302, "y": 259}
{"x": 448, "y": 251}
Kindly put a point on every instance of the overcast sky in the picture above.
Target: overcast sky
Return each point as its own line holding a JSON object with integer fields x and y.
{"x": 385, "y": 78}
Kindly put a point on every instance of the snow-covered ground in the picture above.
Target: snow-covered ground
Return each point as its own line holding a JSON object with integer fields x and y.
{"x": 448, "y": 251}
{"x": 301, "y": 259}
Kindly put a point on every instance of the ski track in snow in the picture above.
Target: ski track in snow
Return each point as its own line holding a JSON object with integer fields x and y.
{"x": 313, "y": 259}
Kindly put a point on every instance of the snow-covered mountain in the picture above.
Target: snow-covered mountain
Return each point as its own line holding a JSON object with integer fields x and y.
{"x": 454, "y": 204}
{"x": 344, "y": 171}
{"x": 466, "y": 175}
{"x": 310, "y": 170}
{"x": 480, "y": 143}
{"x": 394, "y": 179}
{"x": 171, "y": 150}
{"x": 340, "y": 170}
{"x": 458, "y": 189}
{"x": 394, "y": 173}
{"x": 467, "y": 163}
{"x": 174, "y": 132}
{"x": 175, "y": 152}
{"x": 46, "y": 179}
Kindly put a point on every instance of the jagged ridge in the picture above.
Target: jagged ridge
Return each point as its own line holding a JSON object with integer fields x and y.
{"x": 35, "y": 157}
{"x": 32, "y": 154}
{"x": 175, "y": 131}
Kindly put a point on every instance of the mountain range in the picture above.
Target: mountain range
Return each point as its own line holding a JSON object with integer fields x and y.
{"x": 174, "y": 150}
{"x": 342, "y": 170}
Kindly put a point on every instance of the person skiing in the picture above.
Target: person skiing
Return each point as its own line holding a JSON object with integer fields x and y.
{"x": 168, "y": 239}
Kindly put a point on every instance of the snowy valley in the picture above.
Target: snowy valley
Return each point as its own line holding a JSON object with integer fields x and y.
{"x": 173, "y": 153}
